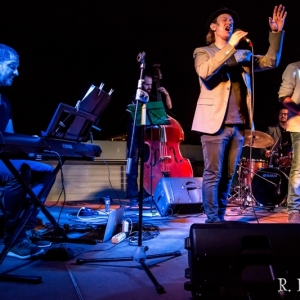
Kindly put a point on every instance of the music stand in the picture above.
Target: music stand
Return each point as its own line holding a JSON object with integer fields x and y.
{"x": 95, "y": 100}
{"x": 140, "y": 253}
{"x": 155, "y": 114}
{"x": 71, "y": 124}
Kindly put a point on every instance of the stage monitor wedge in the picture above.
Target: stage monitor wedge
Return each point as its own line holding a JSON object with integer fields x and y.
{"x": 262, "y": 259}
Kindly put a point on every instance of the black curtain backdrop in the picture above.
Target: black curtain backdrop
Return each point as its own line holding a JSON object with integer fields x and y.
{"x": 65, "y": 46}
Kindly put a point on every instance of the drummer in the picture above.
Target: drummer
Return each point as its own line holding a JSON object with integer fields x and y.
{"x": 281, "y": 137}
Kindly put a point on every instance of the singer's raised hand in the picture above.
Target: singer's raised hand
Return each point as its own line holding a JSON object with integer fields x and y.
{"x": 277, "y": 22}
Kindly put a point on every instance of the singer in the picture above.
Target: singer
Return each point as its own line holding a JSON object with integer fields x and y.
{"x": 224, "y": 107}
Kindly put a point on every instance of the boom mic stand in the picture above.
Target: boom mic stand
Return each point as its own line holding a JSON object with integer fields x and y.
{"x": 139, "y": 254}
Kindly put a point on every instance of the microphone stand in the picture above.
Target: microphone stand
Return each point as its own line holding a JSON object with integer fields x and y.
{"x": 139, "y": 254}
{"x": 248, "y": 195}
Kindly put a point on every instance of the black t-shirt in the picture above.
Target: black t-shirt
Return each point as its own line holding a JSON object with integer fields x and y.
{"x": 237, "y": 112}
{"x": 5, "y": 113}
{"x": 286, "y": 142}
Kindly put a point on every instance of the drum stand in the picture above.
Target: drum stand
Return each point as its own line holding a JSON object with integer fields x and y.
{"x": 244, "y": 194}
{"x": 273, "y": 154}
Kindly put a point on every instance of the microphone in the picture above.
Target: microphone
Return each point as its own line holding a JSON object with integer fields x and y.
{"x": 277, "y": 191}
{"x": 246, "y": 39}
{"x": 142, "y": 96}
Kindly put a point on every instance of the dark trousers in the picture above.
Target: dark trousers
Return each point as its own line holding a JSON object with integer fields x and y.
{"x": 221, "y": 153}
{"x": 15, "y": 200}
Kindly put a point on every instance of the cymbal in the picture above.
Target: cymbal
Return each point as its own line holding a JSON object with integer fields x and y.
{"x": 259, "y": 139}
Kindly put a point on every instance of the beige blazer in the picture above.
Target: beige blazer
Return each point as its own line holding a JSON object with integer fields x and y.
{"x": 215, "y": 83}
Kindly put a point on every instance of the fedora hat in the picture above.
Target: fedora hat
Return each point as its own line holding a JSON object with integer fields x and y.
{"x": 221, "y": 11}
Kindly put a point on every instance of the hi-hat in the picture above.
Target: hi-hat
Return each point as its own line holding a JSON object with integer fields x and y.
{"x": 258, "y": 139}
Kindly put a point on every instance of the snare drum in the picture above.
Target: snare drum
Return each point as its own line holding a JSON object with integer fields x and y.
{"x": 250, "y": 167}
{"x": 270, "y": 186}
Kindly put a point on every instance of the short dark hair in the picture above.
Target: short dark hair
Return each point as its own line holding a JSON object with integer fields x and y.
{"x": 147, "y": 74}
{"x": 6, "y": 52}
{"x": 281, "y": 107}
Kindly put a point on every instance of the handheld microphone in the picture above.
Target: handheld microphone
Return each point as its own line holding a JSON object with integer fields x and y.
{"x": 142, "y": 96}
{"x": 246, "y": 39}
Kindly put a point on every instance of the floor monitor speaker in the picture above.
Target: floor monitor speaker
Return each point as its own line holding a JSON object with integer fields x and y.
{"x": 178, "y": 195}
{"x": 232, "y": 259}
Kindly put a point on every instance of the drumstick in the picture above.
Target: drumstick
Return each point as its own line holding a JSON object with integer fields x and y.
{"x": 273, "y": 146}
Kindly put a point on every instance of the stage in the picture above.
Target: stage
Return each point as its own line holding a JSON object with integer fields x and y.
{"x": 119, "y": 280}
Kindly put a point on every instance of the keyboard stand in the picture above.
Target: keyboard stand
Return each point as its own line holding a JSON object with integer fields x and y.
{"x": 58, "y": 231}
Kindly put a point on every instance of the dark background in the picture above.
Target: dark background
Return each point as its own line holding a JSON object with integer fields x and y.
{"x": 65, "y": 46}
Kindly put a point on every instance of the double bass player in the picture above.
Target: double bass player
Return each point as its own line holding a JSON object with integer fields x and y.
{"x": 132, "y": 190}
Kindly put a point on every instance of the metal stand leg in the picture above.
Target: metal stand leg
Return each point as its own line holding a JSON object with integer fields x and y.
{"x": 58, "y": 231}
{"x": 243, "y": 196}
{"x": 140, "y": 252}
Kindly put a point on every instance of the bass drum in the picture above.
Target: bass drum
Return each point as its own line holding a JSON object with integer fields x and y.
{"x": 270, "y": 186}
{"x": 250, "y": 167}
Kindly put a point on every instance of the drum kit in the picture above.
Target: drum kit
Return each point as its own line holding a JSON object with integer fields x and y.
{"x": 259, "y": 181}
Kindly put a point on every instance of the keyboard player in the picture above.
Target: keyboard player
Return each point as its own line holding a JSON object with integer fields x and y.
{"x": 37, "y": 175}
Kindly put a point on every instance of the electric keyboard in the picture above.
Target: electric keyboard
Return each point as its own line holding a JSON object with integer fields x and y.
{"x": 20, "y": 146}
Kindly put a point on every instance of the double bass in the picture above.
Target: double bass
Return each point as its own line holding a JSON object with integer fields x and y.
{"x": 165, "y": 159}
